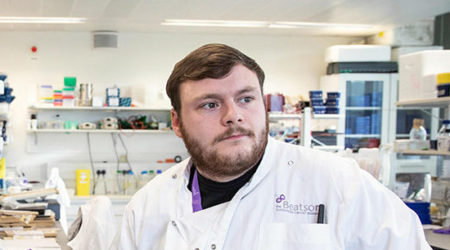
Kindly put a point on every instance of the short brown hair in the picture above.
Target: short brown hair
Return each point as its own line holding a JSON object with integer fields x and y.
{"x": 209, "y": 61}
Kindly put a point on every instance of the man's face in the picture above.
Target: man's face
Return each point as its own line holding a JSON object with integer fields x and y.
{"x": 223, "y": 123}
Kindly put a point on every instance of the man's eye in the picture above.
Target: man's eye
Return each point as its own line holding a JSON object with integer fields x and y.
{"x": 209, "y": 105}
{"x": 246, "y": 99}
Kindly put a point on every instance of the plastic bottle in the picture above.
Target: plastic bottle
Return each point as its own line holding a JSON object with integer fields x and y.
{"x": 131, "y": 181}
{"x": 33, "y": 122}
{"x": 119, "y": 179}
{"x": 417, "y": 135}
{"x": 125, "y": 181}
{"x": 100, "y": 186}
{"x": 443, "y": 137}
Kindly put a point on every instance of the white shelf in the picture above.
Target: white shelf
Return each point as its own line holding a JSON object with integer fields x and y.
{"x": 362, "y": 108}
{"x": 329, "y": 148}
{"x": 37, "y": 107}
{"x": 426, "y": 103}
{"x": 362, "y": 135}
{"x": 112, "y": 197}
{"x": 118, "y": 131}
{"x": 280, "y": 116}
{"x": 327, "y": 116}
{"x": 422, "y": 152}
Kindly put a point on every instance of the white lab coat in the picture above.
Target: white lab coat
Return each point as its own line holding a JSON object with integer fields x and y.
{"x": 98, "y": 225}
{"x": 360, "y": 213}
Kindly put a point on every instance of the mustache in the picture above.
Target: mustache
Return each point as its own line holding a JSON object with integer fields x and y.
{"x": 234, "y": 130}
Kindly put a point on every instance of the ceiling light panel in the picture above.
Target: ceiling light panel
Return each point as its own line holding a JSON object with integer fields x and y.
{"x": 215, "y": 23}
{"x": 43, "y": 20}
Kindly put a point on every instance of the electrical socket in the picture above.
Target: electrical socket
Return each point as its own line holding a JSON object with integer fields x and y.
{"x": 123, "y": 158}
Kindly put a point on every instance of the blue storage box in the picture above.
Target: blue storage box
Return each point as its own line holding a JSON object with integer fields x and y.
{"x": 125, "y": 101}
{"x": 332, "y": 110}
{"x": 112, "y": 92}
{"x": 315, "y": 94}
{"x": 316, "y": 102}
{"x": 112, "y": 101}
{"x": 319, "y": 109}
{"x": 332, "y": 102}
{"x": 422, "y": 209}
{"x": 333, "y": 95}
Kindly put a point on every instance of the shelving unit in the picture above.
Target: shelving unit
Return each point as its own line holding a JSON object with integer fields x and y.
{"x": 362, "y": 108}
{"x": 305, "y": 124}
{"x": 82, "y": 108}
{"x": 442, "y": 102}
{"x": 118, "y": 131}
{"x": 281, "y": 116}
{"x": 422, "y": 152}
{"x": 48, "y": 116}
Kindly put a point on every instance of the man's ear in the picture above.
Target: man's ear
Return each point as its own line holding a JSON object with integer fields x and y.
{"x": 176, "y": 123}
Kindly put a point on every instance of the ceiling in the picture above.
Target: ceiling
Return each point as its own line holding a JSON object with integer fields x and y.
{"x": 147, "y": 15}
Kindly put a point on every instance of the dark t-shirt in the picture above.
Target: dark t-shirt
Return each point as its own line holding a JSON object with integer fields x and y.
{"x": 214, "y": 193}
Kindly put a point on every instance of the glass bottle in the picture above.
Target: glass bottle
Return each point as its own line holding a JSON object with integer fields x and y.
{"x": 443, "y": 138}
{"x": 417, "y": 135}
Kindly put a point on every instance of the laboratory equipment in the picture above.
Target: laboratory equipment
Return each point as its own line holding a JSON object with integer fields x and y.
{"x": 444, "y": 137}
{"x": 86, "y": 90}
{"x": 417, "y": 135}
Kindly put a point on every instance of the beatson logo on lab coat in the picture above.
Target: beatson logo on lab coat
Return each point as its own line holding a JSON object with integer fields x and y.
{"x": 283, "y": 204}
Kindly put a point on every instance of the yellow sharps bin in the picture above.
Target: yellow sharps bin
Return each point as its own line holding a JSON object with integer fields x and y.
{"x": 83, "y": 181}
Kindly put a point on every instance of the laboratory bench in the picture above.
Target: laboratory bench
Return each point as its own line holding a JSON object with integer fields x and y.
{"x": 437, "y": 241}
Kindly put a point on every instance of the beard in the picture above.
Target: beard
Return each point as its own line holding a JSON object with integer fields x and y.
{"x": 214, "y": 164}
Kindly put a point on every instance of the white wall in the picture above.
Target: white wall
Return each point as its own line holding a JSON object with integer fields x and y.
{"x": 292, "y": 65}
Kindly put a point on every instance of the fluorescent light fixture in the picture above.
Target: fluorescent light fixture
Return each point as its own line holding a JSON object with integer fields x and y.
{"x": 296, "y": 25}
{"x": 215, "y": 23}
{"x": 262, "y": 24}
{"x": 54, "y": 20}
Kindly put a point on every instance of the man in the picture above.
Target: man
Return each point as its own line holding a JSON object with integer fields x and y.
{"x": 242, "y": 190}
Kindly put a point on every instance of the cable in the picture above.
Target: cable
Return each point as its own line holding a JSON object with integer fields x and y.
{"x": 126, "y": 152}
{"x": 115, "y": 150}
{"x": 119, "y": 185}
{"x": 92, "y": 162}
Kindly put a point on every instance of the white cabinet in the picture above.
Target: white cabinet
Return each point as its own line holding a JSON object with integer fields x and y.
{"x": 366, "y": 101}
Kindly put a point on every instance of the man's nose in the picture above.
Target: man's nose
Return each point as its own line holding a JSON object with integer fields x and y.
{"x": 232, "y": 114}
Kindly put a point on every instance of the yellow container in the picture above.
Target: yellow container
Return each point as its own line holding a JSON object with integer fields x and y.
{"x": 2, "y": 168}
{"x": 83, "y": 181}
{"x": 443, "y": 78}
{"x": 2, "y": 173}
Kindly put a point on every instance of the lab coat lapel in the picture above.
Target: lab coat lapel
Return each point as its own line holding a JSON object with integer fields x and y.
{"x": 220, "y": 229}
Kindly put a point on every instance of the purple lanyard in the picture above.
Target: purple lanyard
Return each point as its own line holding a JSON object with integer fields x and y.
{"x": 196, "y": 197}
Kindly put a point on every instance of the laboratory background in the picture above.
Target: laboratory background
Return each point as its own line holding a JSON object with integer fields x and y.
{"x": 84, "y": 113}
